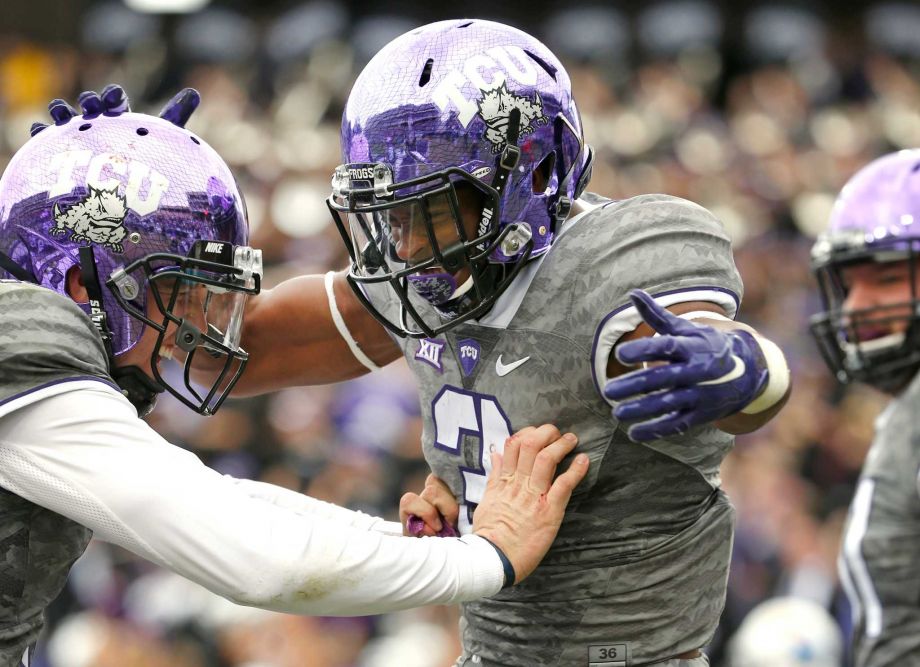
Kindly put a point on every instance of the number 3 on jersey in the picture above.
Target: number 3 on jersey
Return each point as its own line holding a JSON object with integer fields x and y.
{"x": 457, "y": 413}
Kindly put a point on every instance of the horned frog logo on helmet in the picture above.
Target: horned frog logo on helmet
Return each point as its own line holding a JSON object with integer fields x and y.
{"x": 98, "y": 218}
{"x": 496, "y": 105}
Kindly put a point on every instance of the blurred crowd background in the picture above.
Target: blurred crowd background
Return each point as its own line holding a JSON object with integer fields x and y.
{"x": 759, "y": 112}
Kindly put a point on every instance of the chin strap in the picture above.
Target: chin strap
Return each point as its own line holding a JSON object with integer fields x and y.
{"x": 94, "y": 292}
{"x": 138, "y": 388}
{"x": 507, "y": 162}
{"x": 563, "y": 205}
{"x": 136, "y": 385}
{"x": 18, "y": 272}
{"x": 585, "y": 175}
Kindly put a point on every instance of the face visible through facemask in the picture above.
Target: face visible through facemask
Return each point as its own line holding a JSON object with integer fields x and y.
{"x": 190, "y": 305}
{"x": 884, "y": 286}
{"x": 411, "y": 240}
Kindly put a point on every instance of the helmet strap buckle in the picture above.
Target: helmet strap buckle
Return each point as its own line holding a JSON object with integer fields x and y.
{"x": 562, "y": 209}
{"x": 510, "y": 157}
{"x": 511, "y": 154}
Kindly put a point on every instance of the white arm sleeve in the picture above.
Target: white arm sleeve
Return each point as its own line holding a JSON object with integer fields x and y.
{"x": 304, "y": 504}
{"x": 86, "y": 455}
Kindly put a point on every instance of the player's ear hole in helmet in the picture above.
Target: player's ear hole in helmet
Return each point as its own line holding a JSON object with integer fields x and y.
{"x": 154, "y": 226}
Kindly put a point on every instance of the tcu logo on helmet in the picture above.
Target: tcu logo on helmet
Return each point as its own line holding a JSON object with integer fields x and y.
{"x": 98, "y": 219}
{"x": 486, "y": 71}
{"x": 143, "y": 186}
{"x": 495, "y": 107}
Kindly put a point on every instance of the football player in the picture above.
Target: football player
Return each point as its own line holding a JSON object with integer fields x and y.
{"x": 869, "y": 331}
{"x": 126, "y": 239}
{"x": 514, "y": 295}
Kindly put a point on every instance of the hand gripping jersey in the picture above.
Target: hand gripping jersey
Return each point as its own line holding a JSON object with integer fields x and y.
{"x": 881, "y": 548}
{"x": 46, "y": 342}
{"x": 639, "y": 569}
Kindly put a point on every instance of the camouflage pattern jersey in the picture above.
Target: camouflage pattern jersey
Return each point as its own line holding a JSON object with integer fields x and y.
{"x": 638, "y": 572}
{"x": 880, "y": 559}
{"x": 45, "y": 340}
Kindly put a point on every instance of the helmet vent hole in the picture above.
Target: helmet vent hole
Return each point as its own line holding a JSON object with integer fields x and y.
{"x": 426, "y": 73}
{"x": 195, "y": 140}
{"x": 543, "y": 173}
{"x": 85, "y": 127}
{"x": 465, "y": 25}
{"x": 542, "y": 63}
{"x": 143, "y": 131}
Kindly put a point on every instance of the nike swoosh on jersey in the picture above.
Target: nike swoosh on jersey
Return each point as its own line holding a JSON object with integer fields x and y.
{"x": 504, "y": 369}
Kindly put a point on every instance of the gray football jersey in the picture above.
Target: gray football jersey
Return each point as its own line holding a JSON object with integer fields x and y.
{"x": 880, "y": 558}
{"x": 638, "y": 571}
{"x": 44, "y": 339}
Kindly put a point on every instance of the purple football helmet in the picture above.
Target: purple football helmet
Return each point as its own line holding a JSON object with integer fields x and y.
{"x": 876, "y": 219}
{"x": 136, "y": 202}
{"x": 455, "y": 121}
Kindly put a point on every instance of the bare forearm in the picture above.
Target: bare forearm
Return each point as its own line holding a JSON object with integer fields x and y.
{"x": 741, "y": 422}
{"x": 292, "y": 339}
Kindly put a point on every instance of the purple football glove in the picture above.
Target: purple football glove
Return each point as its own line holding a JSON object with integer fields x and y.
{"x": 709, "y": 374}
{"x": 415, "y": 525}
{"x": 113, "y": 101}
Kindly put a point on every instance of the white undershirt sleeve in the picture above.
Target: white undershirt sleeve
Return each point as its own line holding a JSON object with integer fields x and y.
{"x": 85, "y": 454}
{"x": 317, "y": 508}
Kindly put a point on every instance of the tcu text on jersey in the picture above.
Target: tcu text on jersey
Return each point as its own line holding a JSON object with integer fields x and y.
{"x": 469, "y": 352}
{"x": 144, "y": 187}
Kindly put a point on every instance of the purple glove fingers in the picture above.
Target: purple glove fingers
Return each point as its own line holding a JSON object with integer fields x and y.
{"x": 647, "y": 380}
{"x": 660, "y": 319}
{"x": 659, "y": 348}
{"x": 671, "y": 424}
{"x": 657, "y": 405}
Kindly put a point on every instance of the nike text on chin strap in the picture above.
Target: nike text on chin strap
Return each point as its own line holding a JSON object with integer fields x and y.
{"x": 94, "y": 293}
